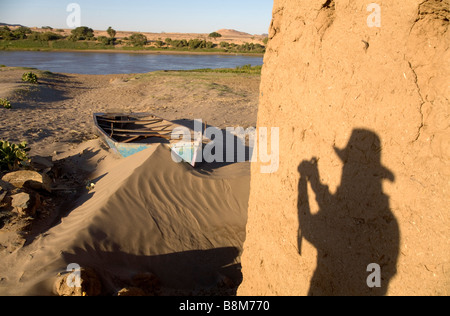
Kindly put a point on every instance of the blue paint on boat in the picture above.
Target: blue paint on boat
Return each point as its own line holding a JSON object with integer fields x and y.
{"x": 127, "y": 150}
{"x": 187, "y": 152}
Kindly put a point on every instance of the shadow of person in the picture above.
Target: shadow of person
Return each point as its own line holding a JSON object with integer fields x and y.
{"x": 354, "y": 228}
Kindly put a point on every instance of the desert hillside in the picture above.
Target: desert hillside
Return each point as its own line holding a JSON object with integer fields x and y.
{"x": 360, "y": 203}
{"x": 228, "y": 35}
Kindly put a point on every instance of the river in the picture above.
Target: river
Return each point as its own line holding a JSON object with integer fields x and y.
{"x": 104, "y": 63}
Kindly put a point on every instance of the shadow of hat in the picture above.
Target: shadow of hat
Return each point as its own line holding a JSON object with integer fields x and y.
{"x": 365, "y": 147}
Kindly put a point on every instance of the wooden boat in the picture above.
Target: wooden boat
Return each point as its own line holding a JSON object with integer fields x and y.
{"x": 128, "y": 134}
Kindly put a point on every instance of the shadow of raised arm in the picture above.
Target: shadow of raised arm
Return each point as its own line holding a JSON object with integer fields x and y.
{"x": 309, "y": 172}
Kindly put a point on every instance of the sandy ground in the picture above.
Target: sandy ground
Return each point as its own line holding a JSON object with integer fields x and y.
{"x": 59, "y": 110}
{"x": 146, "y": 214}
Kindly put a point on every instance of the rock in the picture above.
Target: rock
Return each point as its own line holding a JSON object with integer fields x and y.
{"x": 24, "y": 204}
{"x": 21, "y": 200}
{"x": 6, "y": 186}
{"x": 89, "y": 281}
{"x": 2, "y": 195}
{"x": 41, "y": 163}
{"x": 29, "y": 179}
{"x": 132, "y": 291}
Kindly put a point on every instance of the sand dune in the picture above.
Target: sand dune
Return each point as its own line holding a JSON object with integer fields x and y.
{"x": 146, "y": 214}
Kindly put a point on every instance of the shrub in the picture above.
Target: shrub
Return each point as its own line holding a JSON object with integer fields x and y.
{"x": 49, "y": 36}
{"x": 5, "y": 103}
{"x": 82, "y": 33}
{"x": 6, "y": 34}
{"x": 198, "y": 43}
{"x": 21, "y": 32}
{"x": 111, "y": 32}
{"x": 179, "y": 43}
{"x": 108, "y": 41}
{"x": 30, "y": 77}
{"x": 160, "y": 44}
{"x": 12, "y": 155}
{"x": 138, "y": 39}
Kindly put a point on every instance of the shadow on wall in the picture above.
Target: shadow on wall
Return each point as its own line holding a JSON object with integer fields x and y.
{"x": 354, "y": 228}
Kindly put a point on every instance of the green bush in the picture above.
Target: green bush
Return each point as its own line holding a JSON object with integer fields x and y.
{"x": 12, "y": 155}
{"x": 198, "y": 43}
{"x": 6, "y": 34}
{"x": 138, "y": 39}
{"x": 179, "y": 43}
{"x": 111, "y": 32}
{"x": 49, "y": 36}
{"x": 108, "y": 41}
{"x": 160, "y": 44}
{"x": 82, "y": 33}
{"x": 21, "y": 32}
{"x": 5, "y": 103}
{"x": 215, "y": 35}
{"x": 30, "y": 77}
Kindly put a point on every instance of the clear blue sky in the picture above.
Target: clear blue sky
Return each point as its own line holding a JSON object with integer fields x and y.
{"x": 184, "y": 16}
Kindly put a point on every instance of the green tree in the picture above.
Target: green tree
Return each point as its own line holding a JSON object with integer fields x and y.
{"x": 5, "y": 33}
{"x": 21, "y": 32}
{"x": 138, "y": 39}
{"x": 106, "y": 40}
{"x": 49, "y": 36}
{"x": 195, "y": 43}
{"x": 82, "y": 33}
{"x": 159, "y": 44}
{"x": 215, "y": 35}
{"x": 111, "y": 32}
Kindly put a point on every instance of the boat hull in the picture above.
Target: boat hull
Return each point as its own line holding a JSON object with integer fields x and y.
{"x": 181, "y": 151}
{"x": 126, "y": 150}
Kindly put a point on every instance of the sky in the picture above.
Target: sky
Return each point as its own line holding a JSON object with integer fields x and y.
{"x": 171, "y": 16}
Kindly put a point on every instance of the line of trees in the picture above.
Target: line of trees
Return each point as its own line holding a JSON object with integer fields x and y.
{"x": 136, "y": 40}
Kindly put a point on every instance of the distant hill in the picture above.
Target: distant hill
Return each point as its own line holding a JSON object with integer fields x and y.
{"x": 13, "y": 25}
{"x": 232, "y": 33}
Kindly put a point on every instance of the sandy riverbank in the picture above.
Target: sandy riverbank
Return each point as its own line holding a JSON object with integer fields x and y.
{"x": 146, "y": 214}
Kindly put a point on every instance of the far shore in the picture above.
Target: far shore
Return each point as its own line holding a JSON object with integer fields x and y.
{"x": 123, "y": 51}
